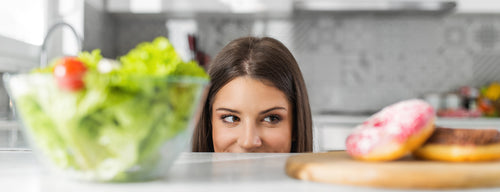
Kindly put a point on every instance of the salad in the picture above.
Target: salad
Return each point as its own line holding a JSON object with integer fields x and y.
{"x": 110, "y": 120}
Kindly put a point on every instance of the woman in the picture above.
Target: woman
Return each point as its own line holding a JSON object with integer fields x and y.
{"x": 257, "y": 101}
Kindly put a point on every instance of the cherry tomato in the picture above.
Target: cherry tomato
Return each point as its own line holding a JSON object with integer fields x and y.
{"x": 69, "y": 73}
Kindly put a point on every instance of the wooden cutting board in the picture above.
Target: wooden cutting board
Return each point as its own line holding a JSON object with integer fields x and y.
{"x": 407, "y": 173}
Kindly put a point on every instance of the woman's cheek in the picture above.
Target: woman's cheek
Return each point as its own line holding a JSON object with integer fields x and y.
{"x": 223, "y": 137}
{"x": 279, "y": 138}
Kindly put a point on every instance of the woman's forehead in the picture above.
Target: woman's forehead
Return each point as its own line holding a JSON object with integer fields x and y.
{"x": 246, "y": 93}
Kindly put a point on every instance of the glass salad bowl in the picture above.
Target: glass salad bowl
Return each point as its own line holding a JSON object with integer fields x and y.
{"x": 106, "y": 133}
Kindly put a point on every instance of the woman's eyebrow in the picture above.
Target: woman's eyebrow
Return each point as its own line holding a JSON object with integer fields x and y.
{"x": 226, "y": 109}
{"x": 272, "y": 109}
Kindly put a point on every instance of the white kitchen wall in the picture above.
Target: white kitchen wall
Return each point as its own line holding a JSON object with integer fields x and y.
{"x": 357, "y": 62}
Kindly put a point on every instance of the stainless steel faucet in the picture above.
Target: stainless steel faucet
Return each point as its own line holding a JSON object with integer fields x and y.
{"x": 43, "y": 51}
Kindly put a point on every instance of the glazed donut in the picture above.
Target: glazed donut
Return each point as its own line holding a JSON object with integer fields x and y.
{"x": 392, "y": 132}
{"x": 447, "y": 144}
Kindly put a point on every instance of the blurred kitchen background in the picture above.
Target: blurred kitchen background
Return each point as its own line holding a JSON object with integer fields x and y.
{"x": 357, "y": 56}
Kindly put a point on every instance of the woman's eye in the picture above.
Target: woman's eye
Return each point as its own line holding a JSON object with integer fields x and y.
{"x": 273, "y": 119}
{"x": 230, "y": 118}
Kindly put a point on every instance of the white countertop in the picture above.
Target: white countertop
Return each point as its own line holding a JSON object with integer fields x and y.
{"x": 19, "y": 172}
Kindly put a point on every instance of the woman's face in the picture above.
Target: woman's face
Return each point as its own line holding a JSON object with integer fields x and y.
{"x": 250, "y": 116}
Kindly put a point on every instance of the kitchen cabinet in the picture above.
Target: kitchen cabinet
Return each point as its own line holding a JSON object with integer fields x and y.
{"x": 287, "y": 6}
{"x": 478, "y": 6}
{"x": 186, "y": 7}
{"x": 332, "y": 130}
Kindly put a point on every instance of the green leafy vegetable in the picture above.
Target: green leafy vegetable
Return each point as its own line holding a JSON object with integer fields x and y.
{"x": 115, "y": 128}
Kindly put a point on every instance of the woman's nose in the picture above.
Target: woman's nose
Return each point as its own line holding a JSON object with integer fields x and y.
{"x": 249, "y": 138}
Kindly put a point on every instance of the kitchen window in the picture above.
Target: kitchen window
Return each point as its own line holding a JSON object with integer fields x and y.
{"x": 23, "y": 24}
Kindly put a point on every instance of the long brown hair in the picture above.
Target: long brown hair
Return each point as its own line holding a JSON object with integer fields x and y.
{"x": 265, "y": 59}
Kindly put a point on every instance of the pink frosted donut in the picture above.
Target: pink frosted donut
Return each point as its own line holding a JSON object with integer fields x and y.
{"x": 392, "y": 132}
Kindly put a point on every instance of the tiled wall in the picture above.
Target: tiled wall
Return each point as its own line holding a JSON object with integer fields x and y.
{"x": 352, "y": 62}
{"x": 363, "y": 62}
